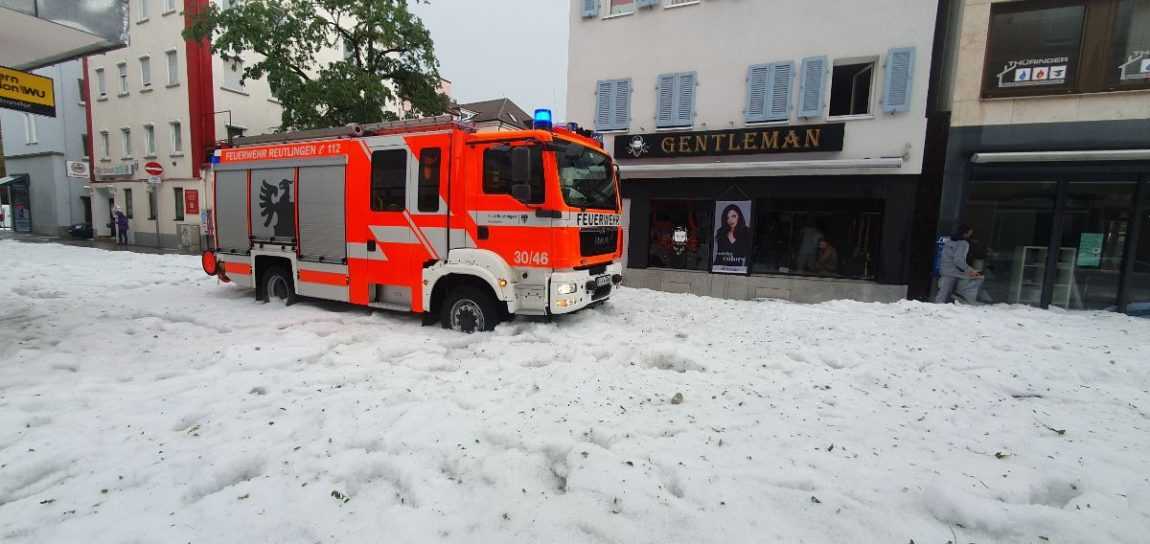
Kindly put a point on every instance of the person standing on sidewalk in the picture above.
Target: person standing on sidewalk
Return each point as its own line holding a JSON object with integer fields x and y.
{"x": 955, "y": 275}
{"x": 121, "y": 227}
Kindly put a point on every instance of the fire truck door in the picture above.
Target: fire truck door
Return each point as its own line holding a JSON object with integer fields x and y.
{"x": 427, "y": 199}
{"x": 395, "y": 268}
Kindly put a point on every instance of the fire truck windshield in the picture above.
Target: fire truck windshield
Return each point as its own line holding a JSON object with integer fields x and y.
{"x": 585, "y": 176}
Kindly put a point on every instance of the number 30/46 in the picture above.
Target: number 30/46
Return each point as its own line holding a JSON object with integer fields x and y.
{"x": 531, "y": 257}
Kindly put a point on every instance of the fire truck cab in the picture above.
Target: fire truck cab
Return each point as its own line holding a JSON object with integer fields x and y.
{"x": 426, "y": 216}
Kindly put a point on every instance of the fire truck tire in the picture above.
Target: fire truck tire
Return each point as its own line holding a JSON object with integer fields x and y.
{"x": 468, "y": 309}
{"x": 278, "y": 285}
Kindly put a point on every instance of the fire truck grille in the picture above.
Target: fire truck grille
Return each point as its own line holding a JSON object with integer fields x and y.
{"x": 597, "y": 241}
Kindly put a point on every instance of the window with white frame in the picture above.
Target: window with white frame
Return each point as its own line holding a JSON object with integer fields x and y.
{"x": 169, "y": 6}
{"x": 101, "y": 83}
{"x": 234, "y": 75}
{"x": 142, "y": 10}
{"x": 173, "y": 67}
{"x": 126, "y": 142}
{"x": 673, "y": 3}
{"x": 620, "y": 7}
{"x": 30, "y": 129}
{"x": 177, "y": 137}
{"x": 146, "y": 71}
{"x": 852, "y": 82}
{"x": 122, "y": 70}
{"x": 105, "y": 145}
{"x": 149, "y": 140}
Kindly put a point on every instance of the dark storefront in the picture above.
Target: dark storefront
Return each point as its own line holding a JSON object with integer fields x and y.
{"x": 845, "y": 220}
{"x": 1055, "y": 228}
{"x": 1059, "y": 208}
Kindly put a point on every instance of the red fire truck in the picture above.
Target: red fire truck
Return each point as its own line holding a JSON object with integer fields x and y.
{"x": 426, "y": 216}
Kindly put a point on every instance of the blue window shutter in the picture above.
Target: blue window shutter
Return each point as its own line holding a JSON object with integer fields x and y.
{"x": 590, "y": 8}
{"x": 779, "y": 91}
{"x": 621, "y": 105}
{"x": 646, "y": 3}
{"x": 899, "y": 79}
{"x": 665, "y": 101}
{"x": 757, "y": 76}
{"x": 812, "y": 87}
{"x": 685, "y": 100}
{"x": 603, "y": 95}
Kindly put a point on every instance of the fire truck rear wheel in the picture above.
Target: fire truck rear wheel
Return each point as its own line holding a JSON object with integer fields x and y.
{"x": 278, "y": 286}
{"x": 468, "y": 309}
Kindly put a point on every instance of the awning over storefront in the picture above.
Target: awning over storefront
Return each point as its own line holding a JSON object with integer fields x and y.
{"x": 36, "y": 33}
{"x": 7, "y": 180}
{"x": 1062, "y": 156}
{"x": 760, "y": 168}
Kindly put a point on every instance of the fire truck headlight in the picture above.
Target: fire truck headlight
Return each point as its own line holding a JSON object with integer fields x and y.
{"x": 566, "y": 288}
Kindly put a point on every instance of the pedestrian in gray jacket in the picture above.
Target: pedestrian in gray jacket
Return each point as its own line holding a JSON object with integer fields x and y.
{"x": 955, "y": 276}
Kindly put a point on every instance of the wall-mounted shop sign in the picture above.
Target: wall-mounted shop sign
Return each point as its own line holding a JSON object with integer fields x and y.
{"x": 22, "y": 91}
{"x": 743, "y": 141}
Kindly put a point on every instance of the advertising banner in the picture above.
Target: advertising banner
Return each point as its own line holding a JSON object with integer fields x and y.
{"x": 732, "y": 248}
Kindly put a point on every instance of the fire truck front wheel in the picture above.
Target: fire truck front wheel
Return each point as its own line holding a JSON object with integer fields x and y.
{"x": 467, "y": 309}
{"x": 277, "y": 285}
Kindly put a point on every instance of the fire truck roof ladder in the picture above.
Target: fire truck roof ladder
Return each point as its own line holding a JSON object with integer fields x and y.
{"x": 425, "y": 124}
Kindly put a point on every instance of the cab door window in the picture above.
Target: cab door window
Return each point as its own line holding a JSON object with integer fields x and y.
{"x": 497, "y": 173}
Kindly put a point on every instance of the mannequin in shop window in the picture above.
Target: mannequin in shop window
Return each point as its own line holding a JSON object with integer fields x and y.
{"x": 827, "y": 262}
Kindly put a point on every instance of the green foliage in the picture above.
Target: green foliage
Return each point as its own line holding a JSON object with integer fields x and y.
{"x": 330, "y": 62}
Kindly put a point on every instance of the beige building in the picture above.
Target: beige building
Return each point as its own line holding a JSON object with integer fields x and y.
{"x": 1048, "y": 156}
{"x": 798, "y": 127}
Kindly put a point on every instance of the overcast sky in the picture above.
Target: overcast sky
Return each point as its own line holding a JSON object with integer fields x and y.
{"x": 502, "y": 48}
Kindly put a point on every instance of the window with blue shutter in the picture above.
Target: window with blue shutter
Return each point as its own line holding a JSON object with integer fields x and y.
{"x": 779, "y": 80}
{"x": 613, "y": 104}
{"x": 621, "y": 105}
{"x": 757, "y": 76}
{"x": 646, "y": 3}
{"x": 899, "y": 79}
{"x": 675, "y": 100}
{"x": 590, "y": 8}
{"x": 812, "y": 87}
{"x": 685, "y": 99}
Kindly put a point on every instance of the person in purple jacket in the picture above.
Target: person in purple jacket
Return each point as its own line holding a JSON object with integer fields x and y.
{"x": 121, "y": 227}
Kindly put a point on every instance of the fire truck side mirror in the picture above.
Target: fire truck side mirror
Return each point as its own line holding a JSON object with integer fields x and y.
{"x": 521, "y": 192}
{"x": 521, "y": 174}
{"x": 521, "y": 165}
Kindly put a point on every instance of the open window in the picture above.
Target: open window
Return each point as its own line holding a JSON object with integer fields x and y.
{"x": 851, "y": 84}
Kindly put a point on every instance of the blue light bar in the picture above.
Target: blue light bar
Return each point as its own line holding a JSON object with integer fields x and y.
{"x": 542, "y": 119}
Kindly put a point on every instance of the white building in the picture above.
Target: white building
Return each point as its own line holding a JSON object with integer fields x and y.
{"x": 168, "y": 101}
{"x": 810, "y": 116}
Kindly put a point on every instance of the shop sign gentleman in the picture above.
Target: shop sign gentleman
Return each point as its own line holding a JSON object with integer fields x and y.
{"x": 744, "y": 141}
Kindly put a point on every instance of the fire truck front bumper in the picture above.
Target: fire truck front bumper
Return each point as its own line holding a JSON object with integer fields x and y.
{"x": 578, "y": 289}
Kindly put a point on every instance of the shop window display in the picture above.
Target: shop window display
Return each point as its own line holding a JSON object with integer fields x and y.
{"x": 681, "y": 234}
{"x": 832, "y": 238}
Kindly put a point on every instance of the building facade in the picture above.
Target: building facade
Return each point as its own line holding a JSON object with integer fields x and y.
{"x": 766, "y": 150}
{"x": 49, "y": 156}
{"x": 167, "y": 101}
{"x": 1048, "y": 156}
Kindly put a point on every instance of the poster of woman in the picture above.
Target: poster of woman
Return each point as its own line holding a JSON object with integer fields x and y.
{"x": 732, "y": 237}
